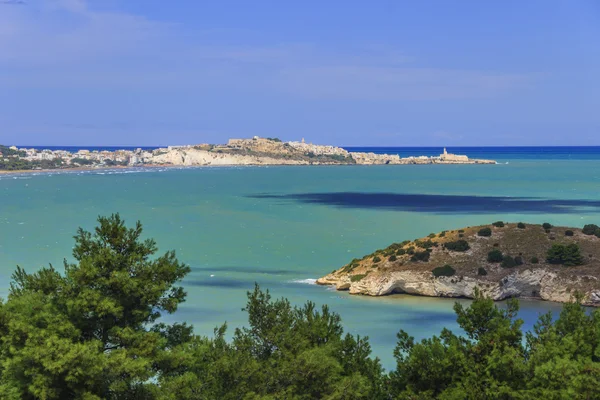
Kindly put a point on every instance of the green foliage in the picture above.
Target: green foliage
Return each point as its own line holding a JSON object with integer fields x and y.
{"x": 569, "y": 232}
{"x": 460, "y": 245}
{"x": 557, "y": 360}
{"x": 8, "y": 152}
{"x": 91, "y": 331}
{"x": 81, "y": 161}
{"x": 547, "y": 226}
{"x": 274, "y": 140}
{"x": 519, "y": 260}
{"x": 442, "y": 234}
{"x": 376, "y": 259}
{"x": 485, "y": 232}
{"x": 420, "y": 256}
{"x": 481, "y": 271}
{"x": 18, "y": 164}
{"x": 591, "y": 229}
{"x": 286, "y": 352}
{"x": 508, "y": 262}
{"x": 498, "y": 224}
{"x": 431, "y": 235}
{"x": 356, "y": 278}
{"x": 535, "y": 260}
{"x": 569, "y": 255}
{"x": 111, "y": 163}
{"x": 342, "y": 158}
{"x": 392, "y": 258}
{"x": 426, "y": 244}
{"x": 495, "y": 256}
{"x": 446, "y": 270}
{"x": 521, "y": 225}
{"x": 351, "y": 265}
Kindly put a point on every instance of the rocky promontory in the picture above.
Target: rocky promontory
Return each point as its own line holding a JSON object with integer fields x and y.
{"x": 502, "y": 260}
{"x": 255, "y": 151}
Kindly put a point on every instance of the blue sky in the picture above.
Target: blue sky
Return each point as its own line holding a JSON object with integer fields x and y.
{"x": 396, "y": 73}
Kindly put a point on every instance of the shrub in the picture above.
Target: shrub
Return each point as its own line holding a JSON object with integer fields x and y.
{"x": 350, "y": 266}
{"x": 569, "y": 233}
{"x": 508, "y": 262}
{"x": 546, "y": 226}
{"x": 591, "y": 229}
{"x": 411, "y": 250}
{"x": 495, "y": 256}
{"x": 567, "y": 254}
{"x": 81, "y": 161}
{"x": 521, "y": 225}
{"x": 459, "y": 245}
{"x": 401, "y": 252}
{"x": 534, "y": 260}
{"x": 461, "y": 235}
{"x": 481, "y": 271}
{"x": 486, "y": 232}
{"x": 356, "y": 278}
{"x": 431, "y": 235}
{"x": 498, "y": 224}
{"x": 376, "y": 259}
{"x": 425, "y": 244}
{"x": 461, "y": 231}
{"x": 420, "y": 256}
{"x": 392, "y": 258}
{"x": 446, "y": 270}
{"x": 443, "y": 233}
{"x": 519, "y": 260}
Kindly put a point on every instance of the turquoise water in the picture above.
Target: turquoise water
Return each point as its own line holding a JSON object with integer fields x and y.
{"x": 283, "y": 226}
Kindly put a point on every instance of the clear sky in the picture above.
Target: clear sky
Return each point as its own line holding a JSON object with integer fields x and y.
{"x": 344, "y": 72}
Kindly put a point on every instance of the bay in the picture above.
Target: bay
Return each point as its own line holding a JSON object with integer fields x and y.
{"x": 283, "y": 227}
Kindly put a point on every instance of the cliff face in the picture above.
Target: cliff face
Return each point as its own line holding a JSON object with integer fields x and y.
{"x": 386, "y": 272}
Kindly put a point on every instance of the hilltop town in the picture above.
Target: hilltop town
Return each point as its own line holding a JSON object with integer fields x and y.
{"x": 255, "y": 151}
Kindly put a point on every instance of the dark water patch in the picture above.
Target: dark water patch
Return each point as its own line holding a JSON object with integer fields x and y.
{"x": 436, "y": 203}
{"x": 426, "y": 318}
{"x": 243, "y": 270}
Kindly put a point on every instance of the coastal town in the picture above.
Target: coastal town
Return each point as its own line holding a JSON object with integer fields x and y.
{"x": 254, "y": 151}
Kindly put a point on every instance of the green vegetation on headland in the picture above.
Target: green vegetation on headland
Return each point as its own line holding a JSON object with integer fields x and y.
{"x": 504, "y": 260}
{"x": 93, "y": 332}
{"x": 10, "y": 161}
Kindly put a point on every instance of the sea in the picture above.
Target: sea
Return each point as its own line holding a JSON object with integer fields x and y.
{"x": 282, "y": 227}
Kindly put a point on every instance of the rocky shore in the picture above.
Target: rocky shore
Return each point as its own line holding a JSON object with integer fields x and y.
{"x": 514, "y": 260}
{"x": 255, "y": 151}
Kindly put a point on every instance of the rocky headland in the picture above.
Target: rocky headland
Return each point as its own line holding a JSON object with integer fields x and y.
{"x": 501, "y": 260}
{"x": 255, "y": 151}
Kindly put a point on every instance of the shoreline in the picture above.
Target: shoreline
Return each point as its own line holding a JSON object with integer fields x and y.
{"x": 83, "y": 169}
{"x": 150, "y": 166}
